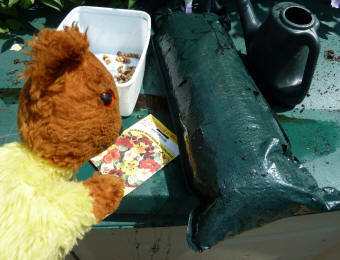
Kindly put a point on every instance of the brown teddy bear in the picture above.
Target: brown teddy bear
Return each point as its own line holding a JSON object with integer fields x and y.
{"x": 68, "y": 113}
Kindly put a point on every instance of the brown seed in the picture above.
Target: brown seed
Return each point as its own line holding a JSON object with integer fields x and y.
{"x": 126, "y": 61}
{"x": 120, "y": 69}
{"x": 329, "y": 54}
{"x": 132, "y": 55}
{"x": 120, "y": 59}
{"x": 11, "y": 72}
{"x": 106, "y": 59}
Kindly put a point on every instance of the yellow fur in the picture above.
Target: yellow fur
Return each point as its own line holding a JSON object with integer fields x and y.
{"x": 42, "y": 213}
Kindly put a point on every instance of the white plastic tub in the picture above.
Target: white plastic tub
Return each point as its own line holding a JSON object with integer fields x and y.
{"x": 112, "y": 30}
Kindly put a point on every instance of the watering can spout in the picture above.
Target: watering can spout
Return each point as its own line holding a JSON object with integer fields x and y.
{"x": 249, "y": 21}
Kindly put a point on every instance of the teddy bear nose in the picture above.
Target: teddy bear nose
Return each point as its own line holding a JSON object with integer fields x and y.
{"x": 107, "y": 99}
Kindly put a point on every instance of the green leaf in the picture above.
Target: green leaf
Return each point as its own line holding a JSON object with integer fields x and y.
{"x": 14, "y": 24}
{"x": 131, "y": 3}
{"x": 55, "y": 4}
{"x": 12, "y": 2}
{"x": 4, "y": 31}
{"x": 9, "y": 11}
{"x": 77, "y": 2}
{"x": 118, "y": 4}
{"x": 26, "y": 3}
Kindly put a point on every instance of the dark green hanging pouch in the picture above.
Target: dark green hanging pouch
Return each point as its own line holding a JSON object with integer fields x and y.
{"x": 240, "y": 162}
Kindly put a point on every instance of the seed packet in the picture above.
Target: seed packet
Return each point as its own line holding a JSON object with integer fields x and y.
{"x": 139, "y": 152}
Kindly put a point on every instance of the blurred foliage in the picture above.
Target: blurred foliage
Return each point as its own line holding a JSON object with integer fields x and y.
{"x": 10, "y": 10}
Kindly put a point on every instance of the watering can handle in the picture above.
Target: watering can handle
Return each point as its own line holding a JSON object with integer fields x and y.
{"x": 310, "y": 39}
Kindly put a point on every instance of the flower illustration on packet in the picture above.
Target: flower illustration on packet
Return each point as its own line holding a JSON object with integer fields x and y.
{"x": 138, "y": 153}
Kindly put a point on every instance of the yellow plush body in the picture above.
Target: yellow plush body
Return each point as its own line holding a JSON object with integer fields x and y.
{"x": 42, "y": 213}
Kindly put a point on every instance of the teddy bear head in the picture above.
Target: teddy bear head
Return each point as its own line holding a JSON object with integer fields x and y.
{"x": 69, "y": 105}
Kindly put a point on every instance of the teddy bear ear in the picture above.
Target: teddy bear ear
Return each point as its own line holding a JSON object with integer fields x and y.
{"x": 54, "y": 53}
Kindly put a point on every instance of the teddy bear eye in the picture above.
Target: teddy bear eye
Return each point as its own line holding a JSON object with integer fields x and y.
{"x": 107, "y": 99}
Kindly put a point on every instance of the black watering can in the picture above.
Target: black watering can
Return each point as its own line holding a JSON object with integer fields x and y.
{"x": 282, "y": 51}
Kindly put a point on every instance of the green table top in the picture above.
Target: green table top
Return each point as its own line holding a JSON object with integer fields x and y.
{"x": 312, "y": 127}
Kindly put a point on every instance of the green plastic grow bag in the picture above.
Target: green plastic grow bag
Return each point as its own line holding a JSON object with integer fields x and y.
{"x": 240, "y": 161}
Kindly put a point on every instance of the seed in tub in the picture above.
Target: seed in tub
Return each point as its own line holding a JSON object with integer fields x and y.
{"x": 106, "y": 59}
{"x": 130, "y": 67}
{"x": 126, "y": 60}
{"x": 120, "y": 59}
{"x": 132, "y": 55}
{"x": 120, "y": 69}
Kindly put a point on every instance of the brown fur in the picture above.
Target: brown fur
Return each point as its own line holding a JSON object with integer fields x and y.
{"x": 61, "y": 114}
{"x": 107, "y": 192}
